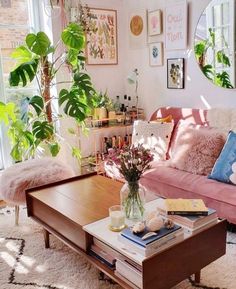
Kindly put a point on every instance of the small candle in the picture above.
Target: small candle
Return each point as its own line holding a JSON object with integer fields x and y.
{"x": 117, "y": 218}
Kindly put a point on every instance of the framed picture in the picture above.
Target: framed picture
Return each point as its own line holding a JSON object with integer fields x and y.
{"x": 137, "y": 27}
{"x": 176, "y": 25}
{"x": 156, "y": 54}
{"x": 175, "y": 73}
{"x": 102, "y": 41}
{"x": 154, "y": 22}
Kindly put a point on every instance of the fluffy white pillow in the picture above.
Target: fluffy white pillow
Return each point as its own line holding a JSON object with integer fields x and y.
{"x": 153, "y": 135}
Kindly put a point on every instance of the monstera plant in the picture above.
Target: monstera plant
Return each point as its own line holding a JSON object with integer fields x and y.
{"x": 36, "y": 122}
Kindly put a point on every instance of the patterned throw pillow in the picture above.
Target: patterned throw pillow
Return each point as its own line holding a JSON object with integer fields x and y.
{"x": 224, "y": 169}
{"x": 196, "y": 148}
{"x": 153, "y": 135}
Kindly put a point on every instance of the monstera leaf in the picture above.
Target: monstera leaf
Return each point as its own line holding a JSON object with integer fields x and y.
{"x": 37, "y": 102}
{"x": 22, "y": 54}
{"x": 7, "y": 112}
{"x": 75, "y": 105}
{"x": 223, "y": 80}
{"x": 222, "y": 58}
{"x": 208, "y": 71}
{"x": 42, "y": 130}
{"x": 38, "y": 43}
{"x": 24, "y": 73}
{"x": 83, "y": 81}
{"x": 73, "y": 36}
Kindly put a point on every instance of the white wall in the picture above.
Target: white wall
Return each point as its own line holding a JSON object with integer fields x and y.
{"x": 153, "y": 92}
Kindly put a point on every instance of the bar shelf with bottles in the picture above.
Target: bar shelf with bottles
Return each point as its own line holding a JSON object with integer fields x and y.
{"x": 123, "y": 115}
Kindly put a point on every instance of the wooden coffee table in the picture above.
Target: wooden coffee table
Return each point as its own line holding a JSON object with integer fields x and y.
{"x": 66, "y": 208}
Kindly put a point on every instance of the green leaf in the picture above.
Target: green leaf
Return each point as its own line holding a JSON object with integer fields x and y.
{"x": 76, "y": 153}
{"x": 72, "y": 57}
{"x": 38, "y": 43}
{"x": 222, "y": 58}
{"x": 7, "y": 112}
{"x": 199, "y": 48}
{"x": 83, "y": 81}
{"x": 42, "y": 130}
{"x": 54, "y": 149}
{"x": 75, "y": 106}
{"x": 37, "y": 103}
{"x": 223, "y": 80}
{"x": 208, "y": 71}
{"x": 24, "y": 73}
{"x": 22, "y": 54}
{"x": 73, "y": 36}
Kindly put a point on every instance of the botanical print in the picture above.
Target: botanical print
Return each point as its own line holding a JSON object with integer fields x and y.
{"x": 102, "y": 41}
{"x": 154, "y": 22}
{"x": 155, "y": 54}
{"x": 175, "y": 73}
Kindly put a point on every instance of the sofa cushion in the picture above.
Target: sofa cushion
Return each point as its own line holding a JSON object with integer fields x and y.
{"x": 196, "y": 148}
{"x": 224, "y": 169}
{"x": 172, "y": 183}
{"x": 153, "y": 135}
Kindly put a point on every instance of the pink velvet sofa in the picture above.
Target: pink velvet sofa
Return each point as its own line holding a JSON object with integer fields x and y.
{"x": 172, "y": 183}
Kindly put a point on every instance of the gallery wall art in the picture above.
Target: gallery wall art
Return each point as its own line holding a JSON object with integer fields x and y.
{"x": 102, "y": 41}
{"x": 176, "y": 25}
{"x": 175, "y": 73}
{"x": 154, "y": 23}
{"x": 137, "y": 27}
{"x": 156, "y": 54}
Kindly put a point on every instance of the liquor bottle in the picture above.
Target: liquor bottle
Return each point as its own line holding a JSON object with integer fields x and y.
{"x": 117, "y": 104}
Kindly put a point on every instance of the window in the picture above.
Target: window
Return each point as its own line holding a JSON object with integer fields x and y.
{"x": 15, "y": 23}
{"x": 220, "y": 18}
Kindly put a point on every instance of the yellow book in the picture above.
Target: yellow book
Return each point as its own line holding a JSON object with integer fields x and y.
{"x": 185, "y": 207}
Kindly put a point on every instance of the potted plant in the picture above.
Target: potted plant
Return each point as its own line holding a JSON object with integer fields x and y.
{"x": 39, "y": 60}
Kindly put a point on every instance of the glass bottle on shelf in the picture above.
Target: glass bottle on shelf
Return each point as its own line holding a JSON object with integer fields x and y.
{"x": 117, "y": 104}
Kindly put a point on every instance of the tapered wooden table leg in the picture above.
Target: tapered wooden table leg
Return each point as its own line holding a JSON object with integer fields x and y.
{"x": 197, "y": 277}
{"x": 46, "y": 238}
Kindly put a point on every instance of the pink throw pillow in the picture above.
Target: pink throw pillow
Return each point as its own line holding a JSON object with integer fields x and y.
{"x": 196, "y": 148}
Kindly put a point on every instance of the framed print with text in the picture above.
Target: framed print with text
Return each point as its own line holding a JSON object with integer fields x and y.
{"x": 102, "y": 41}
{"x": 175, "y": 73}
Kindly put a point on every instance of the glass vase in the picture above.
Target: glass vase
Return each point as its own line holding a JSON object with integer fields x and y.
{"x": 132, "y": 197}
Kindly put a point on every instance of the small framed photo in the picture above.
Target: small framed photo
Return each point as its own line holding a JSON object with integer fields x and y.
{"x": 156, "y": 54}
{"x": 154, "y": 22}
{"x": 175, "y": 73}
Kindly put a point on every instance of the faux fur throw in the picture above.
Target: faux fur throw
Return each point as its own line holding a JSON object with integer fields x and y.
{"x": 32, "y": 173}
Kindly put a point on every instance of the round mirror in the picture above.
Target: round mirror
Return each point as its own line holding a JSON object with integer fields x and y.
{"x": 214, "y": 43}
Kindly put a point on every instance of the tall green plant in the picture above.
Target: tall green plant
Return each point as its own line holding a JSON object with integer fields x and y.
{"x": 201, "y": 48}
{"x": 38, "y": 60}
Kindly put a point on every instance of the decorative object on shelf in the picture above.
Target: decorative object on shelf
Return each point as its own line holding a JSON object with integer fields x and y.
{"x": 102, "y": 41}
{"x": 156, "y": 54}
{"x": 214, "y": 43}
{"x": 117, "y": 218}
{"x": 154, "y": 22}
{"x": 176, "y": 25}
{"x": 139, "y": 227}
{"x": 133, "y": 79}
{"x": 169, "y": 224}
{"x": 154, "y": 224}
{"x": 132, "y": 162}
{"x": 175, "y": 73}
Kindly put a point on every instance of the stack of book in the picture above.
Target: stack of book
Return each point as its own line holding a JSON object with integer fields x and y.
{"x": 154, "y": 244}
{"x": 104, "y": 253}
{"x": 129, "y": 271}
{"x": 192, "y": 222}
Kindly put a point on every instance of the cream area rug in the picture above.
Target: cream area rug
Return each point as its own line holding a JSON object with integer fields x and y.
{"x": 25, "y": 263}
